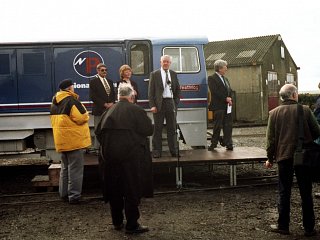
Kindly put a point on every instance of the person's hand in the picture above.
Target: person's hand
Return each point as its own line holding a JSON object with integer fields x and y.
{"x": 268, "y": 164}
{"x": 229, "y": 100}
{"x": 154, "y": 110}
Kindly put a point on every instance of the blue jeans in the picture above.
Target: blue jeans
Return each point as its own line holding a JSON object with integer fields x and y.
{"x": 286, "y": 170}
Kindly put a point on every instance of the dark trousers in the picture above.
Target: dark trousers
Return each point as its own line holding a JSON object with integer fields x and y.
{"x": 167, "y": 112}
{"x": 124, "y": 193}
{"x": 286, "y": 170}
{"x": 223, "y": 121}
{"x": 130, "y": 207}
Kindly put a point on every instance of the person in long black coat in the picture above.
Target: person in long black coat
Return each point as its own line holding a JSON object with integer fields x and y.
{"x": 122, "y": 133}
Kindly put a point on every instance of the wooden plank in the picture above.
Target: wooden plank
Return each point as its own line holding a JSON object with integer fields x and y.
{"x": 220, "y": 155}
{"x": 43, "y": 181}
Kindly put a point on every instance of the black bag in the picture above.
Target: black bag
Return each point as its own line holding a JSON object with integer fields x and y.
{"x": 307, "y": 155}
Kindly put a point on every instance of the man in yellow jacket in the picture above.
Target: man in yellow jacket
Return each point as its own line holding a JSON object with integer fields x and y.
{"x": 69, "y": 120}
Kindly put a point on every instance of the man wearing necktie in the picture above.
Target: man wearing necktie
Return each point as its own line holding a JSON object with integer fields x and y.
{"x": 221, "y": 105}
{"x": 163, "y": 94}
{"x": 101, "y": 93}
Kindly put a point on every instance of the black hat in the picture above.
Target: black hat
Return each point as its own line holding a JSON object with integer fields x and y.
{"x": 65, "y": 83}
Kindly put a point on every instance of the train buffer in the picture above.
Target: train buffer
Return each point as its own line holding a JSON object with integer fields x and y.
{"x": 240, "y": 155}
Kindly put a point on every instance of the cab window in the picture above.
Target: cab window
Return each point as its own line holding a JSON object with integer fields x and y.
{"x": 139, "y": 59}
{"x": 184, "y": 59}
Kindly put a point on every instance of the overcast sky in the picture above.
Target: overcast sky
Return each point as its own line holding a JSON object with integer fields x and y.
{"x": 298, "y": 22}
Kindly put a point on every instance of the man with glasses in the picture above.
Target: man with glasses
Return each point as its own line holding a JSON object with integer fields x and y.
{"x": 102, "y": 94}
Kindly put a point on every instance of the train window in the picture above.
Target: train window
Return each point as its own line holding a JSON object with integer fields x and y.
{"x": 139, "y": 59}
{"x": 33, "y": 63}
{"x": 184, "y": 59}
{"x": 4, "y": 64}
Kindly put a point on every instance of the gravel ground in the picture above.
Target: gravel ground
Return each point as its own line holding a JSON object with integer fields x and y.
{"x": 218, "y": 213}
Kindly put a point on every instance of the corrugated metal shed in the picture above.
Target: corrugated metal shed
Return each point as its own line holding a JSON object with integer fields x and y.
{"x": 237, "y": 52}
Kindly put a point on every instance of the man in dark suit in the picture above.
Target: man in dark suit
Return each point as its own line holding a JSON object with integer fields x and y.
{"x": 163, "y": 93}
{"x": 102, "y": 94}
{"x": 221, "y": 104}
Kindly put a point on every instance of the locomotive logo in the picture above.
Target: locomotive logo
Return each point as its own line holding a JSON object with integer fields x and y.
{"x": 85, "y": 63}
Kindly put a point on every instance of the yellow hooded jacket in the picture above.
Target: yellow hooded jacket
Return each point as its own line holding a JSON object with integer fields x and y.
{"x": 69, "y": 120}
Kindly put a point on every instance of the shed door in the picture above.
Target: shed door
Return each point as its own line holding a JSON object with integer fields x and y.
{"x": 273, "y": 90}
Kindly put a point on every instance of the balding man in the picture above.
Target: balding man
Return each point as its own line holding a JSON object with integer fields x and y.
{"x": 282, "y": 137}
{"x": 122, "y": 133}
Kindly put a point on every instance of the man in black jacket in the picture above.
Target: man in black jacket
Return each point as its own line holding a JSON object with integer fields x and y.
{"x": 102, "y": 94}
{"x": 122, "y": 133}
{"x": 221, "y": 105}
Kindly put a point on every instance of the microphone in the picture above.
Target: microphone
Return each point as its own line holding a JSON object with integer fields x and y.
{"x": 168, "y": 82}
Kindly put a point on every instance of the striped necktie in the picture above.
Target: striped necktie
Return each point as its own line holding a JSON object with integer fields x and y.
{"x": 106, "y": 86}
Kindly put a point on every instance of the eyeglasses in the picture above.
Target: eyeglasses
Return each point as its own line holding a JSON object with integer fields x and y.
{"x": 103, "y": 70}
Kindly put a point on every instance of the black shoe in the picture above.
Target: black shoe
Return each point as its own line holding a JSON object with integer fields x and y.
{"x": 75, "y": 201}
{"x": 118, "y": 227}
{"x": 139, "y": 229}
{"x": 221, "y": 141}
{"x": 65, "y": 199}
{"x": 156, "y": 155}
{"x": 212, "y": 147}
{"x": 310, "y": 233}
{"x": 229, "y": 148}
{"x": 276, "y": 229}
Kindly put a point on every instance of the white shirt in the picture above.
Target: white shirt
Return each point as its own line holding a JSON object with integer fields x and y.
{"x": 221, "y": 78}
{"x": 166, "y": 88}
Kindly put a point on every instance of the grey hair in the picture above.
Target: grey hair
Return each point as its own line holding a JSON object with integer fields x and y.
{"x": 125, "y": 90}
{"x": 166, "y": 57}
{"x": 287, "y": 91}
{"x": 218, "y": 64}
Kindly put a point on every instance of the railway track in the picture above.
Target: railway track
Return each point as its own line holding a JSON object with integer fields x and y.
{"x": 48, "y": 197}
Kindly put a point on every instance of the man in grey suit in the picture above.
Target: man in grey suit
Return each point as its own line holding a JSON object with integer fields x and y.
{"x": 163, "y": 93}
{"x": 220, "y": 104}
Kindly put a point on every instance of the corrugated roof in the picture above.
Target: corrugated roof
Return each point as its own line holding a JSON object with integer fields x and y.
{"x": 239, "y": 51}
